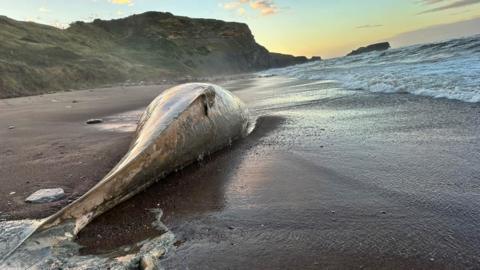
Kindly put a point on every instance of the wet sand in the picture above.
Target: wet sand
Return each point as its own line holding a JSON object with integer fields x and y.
{"x": 330, "y": 179}
{"x": 51, "y": 146}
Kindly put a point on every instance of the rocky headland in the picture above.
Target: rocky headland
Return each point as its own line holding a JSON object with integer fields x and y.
{"x": 149, "y": 47}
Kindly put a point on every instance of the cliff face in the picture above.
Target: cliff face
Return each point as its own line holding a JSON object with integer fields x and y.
{"x": 148, "y": 47}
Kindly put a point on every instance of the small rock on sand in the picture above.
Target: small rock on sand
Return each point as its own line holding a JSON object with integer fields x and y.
{"x": 11, "y": 127}
{"x": 94, "y": 121}
{"x": 46, "y": 195}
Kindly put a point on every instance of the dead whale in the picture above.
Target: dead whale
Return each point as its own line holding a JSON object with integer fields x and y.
{"x": 181, "y": 125}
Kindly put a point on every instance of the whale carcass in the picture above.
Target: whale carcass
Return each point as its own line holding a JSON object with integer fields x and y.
{"x": 181, "y": 125}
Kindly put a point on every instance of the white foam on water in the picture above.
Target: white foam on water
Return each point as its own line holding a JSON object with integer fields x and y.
{"x": 449, "y": 69}
{"x": 55, "y": 249}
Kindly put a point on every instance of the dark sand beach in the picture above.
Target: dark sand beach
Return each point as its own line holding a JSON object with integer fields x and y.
{"x": 330, "y": 178}
{"x": 51, "y": 146}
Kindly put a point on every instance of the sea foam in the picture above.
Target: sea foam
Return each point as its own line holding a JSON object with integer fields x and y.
{"x": 449, "y": 69}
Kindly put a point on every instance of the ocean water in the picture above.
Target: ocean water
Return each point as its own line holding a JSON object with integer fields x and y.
{"x": 449, "y": 69}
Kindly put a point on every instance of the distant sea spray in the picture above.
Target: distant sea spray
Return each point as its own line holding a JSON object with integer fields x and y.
{"x": 449, "y": 69}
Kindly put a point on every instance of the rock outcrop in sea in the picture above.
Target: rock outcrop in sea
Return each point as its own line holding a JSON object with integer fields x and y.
{"x": 370, "y": 48}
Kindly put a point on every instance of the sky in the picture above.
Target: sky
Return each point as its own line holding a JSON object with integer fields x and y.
{"x": 326, "y": 28}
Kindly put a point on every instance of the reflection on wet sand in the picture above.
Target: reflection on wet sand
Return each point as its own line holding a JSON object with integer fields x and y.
{"x": 193, "y": 191}
{"x": 350, "y": 179}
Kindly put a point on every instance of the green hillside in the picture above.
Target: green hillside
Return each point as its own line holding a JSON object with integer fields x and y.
{"x": 152, "y": 46}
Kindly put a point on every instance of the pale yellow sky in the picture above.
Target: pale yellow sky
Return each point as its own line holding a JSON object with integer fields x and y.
{"x": 328, "y": 34}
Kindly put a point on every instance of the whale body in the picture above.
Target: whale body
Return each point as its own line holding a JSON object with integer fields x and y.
{"x": 180, "y": 126}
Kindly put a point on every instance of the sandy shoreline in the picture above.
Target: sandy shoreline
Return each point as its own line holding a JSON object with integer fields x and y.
{"x": 329, "y": 179}
{"x": 51, "y": 146}
{"x": 50, "y": 132}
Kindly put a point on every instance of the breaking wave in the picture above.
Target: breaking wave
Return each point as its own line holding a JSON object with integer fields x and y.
{"x": 449, "y": 69}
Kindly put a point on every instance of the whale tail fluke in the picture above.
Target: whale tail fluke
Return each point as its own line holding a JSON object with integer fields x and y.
{"x": 26, "y": 242}
{"x": 15, "y": 234}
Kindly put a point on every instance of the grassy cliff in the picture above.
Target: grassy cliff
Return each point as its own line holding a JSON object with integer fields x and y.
{"x": 152, "y": 46}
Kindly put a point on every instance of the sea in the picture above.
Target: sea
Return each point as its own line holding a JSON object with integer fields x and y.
{"x": 448, "y": 69}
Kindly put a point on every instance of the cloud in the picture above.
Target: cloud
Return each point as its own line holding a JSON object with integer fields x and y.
{"x": 265, "y": 7}
{"x": 369, "y": 26}
{"x": 241, "y": 11}
{"x": 231, "y": 5}
{"x": 122, "y": 2}
{"x": 44, "y": 10}
{"x": 447, "y": 4}
{"x": 437, "y": 33}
